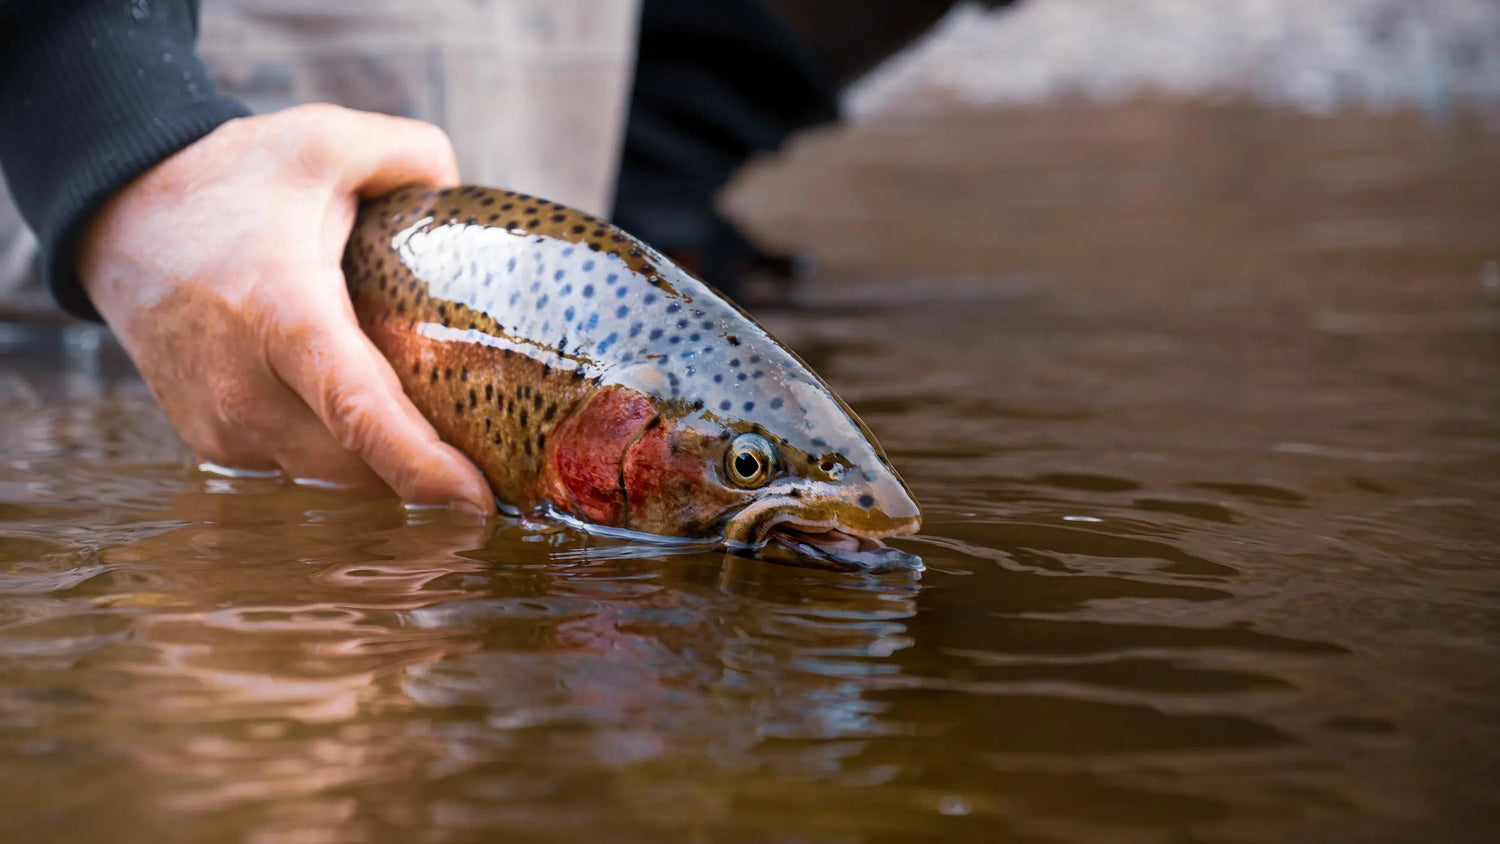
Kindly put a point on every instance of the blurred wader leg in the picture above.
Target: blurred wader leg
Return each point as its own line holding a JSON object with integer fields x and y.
{"x": 719, "y": 82}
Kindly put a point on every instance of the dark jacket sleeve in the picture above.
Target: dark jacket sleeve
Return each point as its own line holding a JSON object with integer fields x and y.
{"x": 92, "y": 94}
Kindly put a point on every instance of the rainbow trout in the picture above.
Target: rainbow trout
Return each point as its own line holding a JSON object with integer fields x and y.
{"x": 591, "y": 379}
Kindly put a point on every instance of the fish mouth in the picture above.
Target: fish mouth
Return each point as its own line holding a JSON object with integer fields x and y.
{"x": 824, "y": 543}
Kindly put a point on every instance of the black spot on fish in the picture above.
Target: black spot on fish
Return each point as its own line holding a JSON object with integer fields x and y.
{"x": 718, "y": 379}
{"x": 655, "y": 334}
{"x": 674, "y": 308}
{"x": 733, "y": 340}
{"x": 463, "y": 374}
{"x": 458, "y": 407}
{"x": 473, "y": 397}
{"x": 776, "y": 403}
{"x": 734, "y": 362}
{"x": 749, "y": 406}
{"x": 524, "y": 417}
{"x": 867, "y": 501}
{"x": 725, "y": 404}
{"x": 536, "y": 401}
{"x": 489, "y": 392}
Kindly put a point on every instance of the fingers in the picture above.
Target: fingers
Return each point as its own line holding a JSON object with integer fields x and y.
{"x": 306, "y": 451}
{"x": 333, "y": 367}
{"x": 244, "y": 417}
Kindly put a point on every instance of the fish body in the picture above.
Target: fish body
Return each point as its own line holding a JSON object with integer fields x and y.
{"x": 589, "y": 377}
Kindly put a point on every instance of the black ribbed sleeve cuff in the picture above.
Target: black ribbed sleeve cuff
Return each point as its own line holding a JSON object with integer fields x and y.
{"x": 92, "y": 94}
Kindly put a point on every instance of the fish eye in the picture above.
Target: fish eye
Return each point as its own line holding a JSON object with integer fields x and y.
{"x": 751, "y": 461}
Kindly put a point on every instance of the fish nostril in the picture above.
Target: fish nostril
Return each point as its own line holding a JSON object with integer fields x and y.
{"x": 867, "y": 501}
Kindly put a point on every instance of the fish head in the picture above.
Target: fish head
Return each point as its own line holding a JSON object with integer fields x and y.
{"x": 783, "y": 469}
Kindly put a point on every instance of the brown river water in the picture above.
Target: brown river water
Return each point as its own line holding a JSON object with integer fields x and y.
{"x": 1203, "y": 407}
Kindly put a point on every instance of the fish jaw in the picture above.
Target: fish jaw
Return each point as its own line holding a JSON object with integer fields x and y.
{"x": 841, "y": 527}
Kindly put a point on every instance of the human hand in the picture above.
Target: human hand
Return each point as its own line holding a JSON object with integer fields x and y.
{"x": 219, "y": 271}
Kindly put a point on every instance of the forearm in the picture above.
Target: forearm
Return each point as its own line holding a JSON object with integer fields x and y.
{"x": 92, "y": 94}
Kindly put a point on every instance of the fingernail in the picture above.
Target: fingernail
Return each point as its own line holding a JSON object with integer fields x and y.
{"x": 467, "y": 511}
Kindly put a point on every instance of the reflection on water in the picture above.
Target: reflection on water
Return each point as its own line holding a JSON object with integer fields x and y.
{"x": 1197, "y": 571}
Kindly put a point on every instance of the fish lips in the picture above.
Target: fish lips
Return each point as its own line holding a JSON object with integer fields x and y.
{"x": 775, "y": 530}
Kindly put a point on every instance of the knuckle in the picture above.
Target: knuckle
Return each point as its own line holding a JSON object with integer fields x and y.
{"x": 352, "y": 419}
{"x": 318, "y": 133}
{"x": 235, "y": 404}
{"x": 317, "y": 114}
